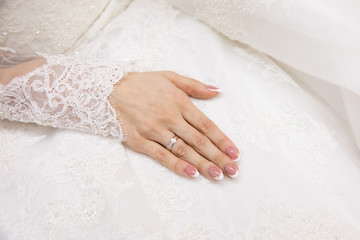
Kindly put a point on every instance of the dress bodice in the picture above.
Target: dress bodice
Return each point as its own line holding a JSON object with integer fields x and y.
{"x": 53, "y": 26}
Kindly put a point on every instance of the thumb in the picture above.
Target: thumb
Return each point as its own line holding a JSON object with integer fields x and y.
{"x": 191, "y": 86}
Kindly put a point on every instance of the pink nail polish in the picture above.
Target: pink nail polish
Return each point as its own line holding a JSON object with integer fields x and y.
{"x": 237, "y": 150}
{"x": 212, "y": 88}
{"x": 232, "y": 153}
{"x": 191, "y": 171}
{"x": 216, "y": 173}
{"x": 231, "y": 170}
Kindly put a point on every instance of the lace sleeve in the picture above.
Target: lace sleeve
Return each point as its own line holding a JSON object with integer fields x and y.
{"x": 65, "y": 93}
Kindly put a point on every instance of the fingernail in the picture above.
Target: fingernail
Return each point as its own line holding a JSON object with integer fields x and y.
{"x": 231, "y": 170}
{"x": 233, "y": 153}
{"x": 191, "y": 171}
{"x": 212, "y": 88}
{"x": 237, "y": 150}
{"x": 216, "y": 173}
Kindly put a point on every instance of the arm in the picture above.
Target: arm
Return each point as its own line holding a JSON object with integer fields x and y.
{"x": 62, "y": 92}
{"x": 59, "y": 91}
{"x": 14, "y": 64}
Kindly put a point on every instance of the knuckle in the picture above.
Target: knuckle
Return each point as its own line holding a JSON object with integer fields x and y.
{"x": 199, "y": 141}
{"x": 181, "y": 98}
{"x": 174, "y": 75}
{"x": 178, "y": 166}
{"x": 206, "y": 125}
{"x": 161, "y": 155}
{"x": 182, "y": 150}
{"x": 168, "y": 117}
{"x": 170, "y": 75}
{"x": 149, "y": 129}
{"x": 135, "y": 141}
{"x": 189, "y": 89}
{"x": 201, "y": 165}
{"x": 218, "y": 159}
{"x": 174, "y": 121}
{"x": 224, "y": 141}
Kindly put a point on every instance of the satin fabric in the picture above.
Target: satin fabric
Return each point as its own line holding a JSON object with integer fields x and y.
{"x": 317, "y": 42}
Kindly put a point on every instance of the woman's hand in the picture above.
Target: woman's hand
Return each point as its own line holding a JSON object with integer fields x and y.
{"x": 154, "y": 107}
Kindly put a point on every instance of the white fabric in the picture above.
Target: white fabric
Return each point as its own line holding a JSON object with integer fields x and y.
{"x": 66, "y": 93}
{"x": 31, "y": 24}
{"x": 300, "y": 171}
{"x": 319, "y": 39}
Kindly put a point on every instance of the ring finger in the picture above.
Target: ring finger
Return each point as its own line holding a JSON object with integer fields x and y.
{"x": 187, "y": 153}
{"x": 202, "y": 146}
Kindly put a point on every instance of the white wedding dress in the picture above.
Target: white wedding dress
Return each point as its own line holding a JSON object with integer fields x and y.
{"x": 300, "y": 164}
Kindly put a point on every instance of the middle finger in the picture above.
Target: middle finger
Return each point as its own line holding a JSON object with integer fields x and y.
{"x": 203, "y": 146}
{"x": 187, "y": 153}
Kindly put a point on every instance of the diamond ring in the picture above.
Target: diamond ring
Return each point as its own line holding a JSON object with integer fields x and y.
{"x": 172, "y": 142}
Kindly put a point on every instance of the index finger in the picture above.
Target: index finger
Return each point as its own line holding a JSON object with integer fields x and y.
{"x": 208, "y": 128}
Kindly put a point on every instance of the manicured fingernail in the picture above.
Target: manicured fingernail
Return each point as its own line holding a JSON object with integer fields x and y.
{"x": 191, "y": 171}
{"x": 233, "y": 153}
{"x": 231, "y": 170}
{"x": 237, "y": 150}
{"x": 212, "y": 88}
{"x": 216, "y": 173}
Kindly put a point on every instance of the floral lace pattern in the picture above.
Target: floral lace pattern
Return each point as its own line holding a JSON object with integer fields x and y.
{"x": 73, "y": 190}
{"x": 177, "y": 200}
{"x": 284, "y": 118}
{"x": 14, "y": 137}
{"x": 268, "y": 68}
{"x": 65, "y": 93}
{"x": 289, "y": 221}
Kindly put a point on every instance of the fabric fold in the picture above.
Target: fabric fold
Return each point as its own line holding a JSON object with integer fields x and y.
{"x": 318, "y": 38}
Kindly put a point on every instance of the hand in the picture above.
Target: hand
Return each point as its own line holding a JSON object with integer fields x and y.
{"x": 154, "y": 107}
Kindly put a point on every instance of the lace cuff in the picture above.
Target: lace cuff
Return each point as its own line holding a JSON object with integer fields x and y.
{"x": 65, "y": 93}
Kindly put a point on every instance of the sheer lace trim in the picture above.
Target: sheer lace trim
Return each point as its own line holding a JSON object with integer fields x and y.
{"x": 65, "y": 93}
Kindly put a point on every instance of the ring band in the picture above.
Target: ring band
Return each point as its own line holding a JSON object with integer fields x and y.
{"x": 172, "y": 142}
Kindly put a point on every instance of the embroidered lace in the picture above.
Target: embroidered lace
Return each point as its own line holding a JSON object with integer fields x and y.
{"x": 65, "y": 93}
